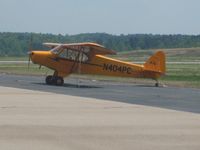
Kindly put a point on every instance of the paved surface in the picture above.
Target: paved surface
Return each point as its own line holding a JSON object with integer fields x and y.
{"x": 48, "y": 118}
{"x": 184, "y": 99}
{"x": 37, "y": 120}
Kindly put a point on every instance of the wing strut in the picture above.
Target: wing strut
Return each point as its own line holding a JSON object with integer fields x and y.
{"x": 77, "y": 65}
{"x": 80, "y": 58}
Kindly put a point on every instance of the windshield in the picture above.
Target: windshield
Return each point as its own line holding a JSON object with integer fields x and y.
{"x": 57, "y": 49}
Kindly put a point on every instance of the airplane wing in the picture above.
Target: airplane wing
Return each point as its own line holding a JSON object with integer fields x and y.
{"x": 52, "y": 45}
{"x": 94, "y": 47}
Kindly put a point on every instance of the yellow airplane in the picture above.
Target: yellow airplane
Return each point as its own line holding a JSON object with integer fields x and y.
{"x": 89, "y": 58}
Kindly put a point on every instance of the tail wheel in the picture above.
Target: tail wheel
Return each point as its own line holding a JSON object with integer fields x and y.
{"x": 156, "y": 84}
{"x": 59, "y": 81}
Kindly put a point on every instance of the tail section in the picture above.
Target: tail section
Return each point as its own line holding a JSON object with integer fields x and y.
{"x": 156, "y": 63}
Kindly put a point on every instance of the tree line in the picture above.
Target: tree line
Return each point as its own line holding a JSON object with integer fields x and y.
{"x": 18, "y": 44}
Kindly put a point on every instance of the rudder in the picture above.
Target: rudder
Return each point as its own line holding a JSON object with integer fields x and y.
{"x": 156, "y": 62}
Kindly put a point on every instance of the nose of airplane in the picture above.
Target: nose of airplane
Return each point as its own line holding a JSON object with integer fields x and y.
{"x": 31, "y": 56}
{"x": 38, "y": 57}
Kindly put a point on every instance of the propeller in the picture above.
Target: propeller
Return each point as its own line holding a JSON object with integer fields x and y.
{"x": 29, "y": 59}
{"x": 30, "y": 50}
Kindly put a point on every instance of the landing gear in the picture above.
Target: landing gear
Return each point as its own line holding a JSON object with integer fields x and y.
{"x": 49, "y": 80}
{"x": 59, "y": 81}
{"x": 157, "y": 83}
{"x": 54, "y": 80}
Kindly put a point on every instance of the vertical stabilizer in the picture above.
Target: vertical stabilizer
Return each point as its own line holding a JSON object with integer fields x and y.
{"x": 156, "y": 62}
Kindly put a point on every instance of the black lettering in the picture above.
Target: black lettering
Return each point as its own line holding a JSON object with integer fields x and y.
{"x": 105, "y": 66}
{"x": 153, "y": 63}
{"x": 119, "y": 69}
{"x": 129, "y": 70}
{"x": 111, "y": 67}
{"x": 115, "y": 68}
{"x": 124, "y": 69}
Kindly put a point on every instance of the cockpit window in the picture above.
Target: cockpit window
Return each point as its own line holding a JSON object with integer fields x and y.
{"x": 72, "y": 54}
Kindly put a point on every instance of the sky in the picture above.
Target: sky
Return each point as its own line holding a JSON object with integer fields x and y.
{"x": 104, "y": 16}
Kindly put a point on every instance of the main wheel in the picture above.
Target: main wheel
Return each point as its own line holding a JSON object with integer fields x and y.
{"x": 49, "y": 80}
{"x": 59, "y": 81}
{"x": 156, "y": 84}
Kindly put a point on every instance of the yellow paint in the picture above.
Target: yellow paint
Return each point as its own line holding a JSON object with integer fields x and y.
{"x": 98, "y": 63}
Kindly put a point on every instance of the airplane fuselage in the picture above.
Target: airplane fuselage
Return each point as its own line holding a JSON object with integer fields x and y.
{"x": 98, "y": 65}
{"x": 89, "y": 58}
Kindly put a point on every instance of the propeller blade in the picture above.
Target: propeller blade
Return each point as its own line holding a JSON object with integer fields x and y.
{"x": 30, "y": 43}
{"x": 30, "y": 50}
{"x": 29, "y": 59}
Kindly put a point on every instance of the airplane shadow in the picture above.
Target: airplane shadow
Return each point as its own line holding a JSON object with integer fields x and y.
{"x": 151, "y": 86}
{"x": 69, "y": 85}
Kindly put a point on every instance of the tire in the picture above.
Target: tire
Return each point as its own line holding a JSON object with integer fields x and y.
{"x": 49, "y": 80}
{"x": 59, "y": 81}
{"x": 157, "y": 85}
